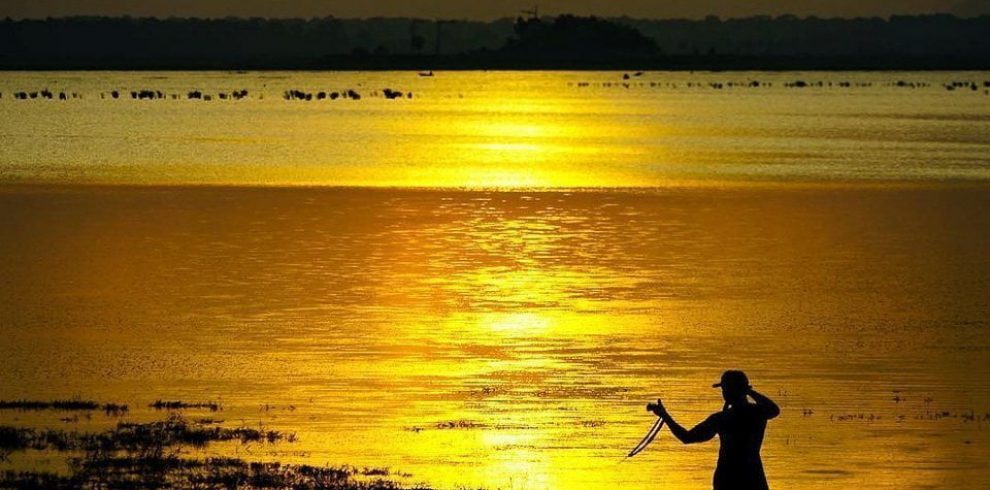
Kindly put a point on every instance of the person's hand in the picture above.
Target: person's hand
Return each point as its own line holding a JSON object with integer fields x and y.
{"x": 658, "y": 408}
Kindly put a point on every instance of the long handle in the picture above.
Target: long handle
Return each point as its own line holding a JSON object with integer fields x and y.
{"x": 652, "y": 434}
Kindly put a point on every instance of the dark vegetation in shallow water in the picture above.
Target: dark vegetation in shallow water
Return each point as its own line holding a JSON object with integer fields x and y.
{"x": 634, "y": 80}
{"x": 151, "y": 94}
{"x": 146, "y": 456}
{"x": 185, "y": 474}
{"x": 64, "y": 405}
{"x": 155, "y": 437}
{"x": 180, "y": 405}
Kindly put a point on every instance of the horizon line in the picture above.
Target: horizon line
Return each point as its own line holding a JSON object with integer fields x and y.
{"x": 707, "y": 18}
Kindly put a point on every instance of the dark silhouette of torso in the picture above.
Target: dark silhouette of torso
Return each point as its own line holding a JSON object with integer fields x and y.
{"x": 740, "y": 431}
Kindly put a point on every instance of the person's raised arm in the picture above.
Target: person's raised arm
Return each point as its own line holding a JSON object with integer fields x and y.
{"x": 702, "y": 432}
{"x": 764, "y": 404}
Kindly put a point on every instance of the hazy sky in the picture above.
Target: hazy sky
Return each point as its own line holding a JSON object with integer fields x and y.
{"x": 479, "y": 9}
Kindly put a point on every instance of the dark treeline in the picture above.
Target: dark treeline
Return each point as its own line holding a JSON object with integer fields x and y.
{"x": 786, "y": 42}
{"x": 231, "y": 42}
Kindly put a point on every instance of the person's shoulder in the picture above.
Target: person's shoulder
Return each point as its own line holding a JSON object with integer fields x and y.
{"x": 716, "y": 418}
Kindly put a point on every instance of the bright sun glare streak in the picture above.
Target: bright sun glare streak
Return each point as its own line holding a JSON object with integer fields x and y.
{"x": 517, "y": 322}
{"x": 502, "y": 140}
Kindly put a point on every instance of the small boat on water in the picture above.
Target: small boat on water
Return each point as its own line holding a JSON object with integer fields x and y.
{"x": 426, "y": 73}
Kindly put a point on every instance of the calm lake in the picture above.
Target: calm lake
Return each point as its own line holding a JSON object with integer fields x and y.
{"x": 482, "y": 285}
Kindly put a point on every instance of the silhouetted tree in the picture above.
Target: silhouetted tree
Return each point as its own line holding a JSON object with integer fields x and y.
{"x": 569, "y": 36}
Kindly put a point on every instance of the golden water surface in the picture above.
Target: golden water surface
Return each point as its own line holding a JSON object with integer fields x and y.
{"x": 564, "y": 255}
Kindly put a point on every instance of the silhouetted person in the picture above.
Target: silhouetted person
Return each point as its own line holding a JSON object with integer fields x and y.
{"x": 739, "y": 426}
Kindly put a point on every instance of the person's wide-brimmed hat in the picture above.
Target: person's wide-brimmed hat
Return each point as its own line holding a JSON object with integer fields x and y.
{"x": 733, "y": 379}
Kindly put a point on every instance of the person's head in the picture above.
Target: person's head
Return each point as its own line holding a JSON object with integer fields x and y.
{"x": 735, "y": 387}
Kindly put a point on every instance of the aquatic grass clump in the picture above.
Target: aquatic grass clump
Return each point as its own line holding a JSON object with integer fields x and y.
{"x": 19, "y": 439}
{"x": 180, "y": 405}
{"x": 174, "y": 473}
{"x": 175, "y": 431}
{"x": 459, "y": 424}
{"x": 134, "y": 437}
{"x": 52, "y": 405}
{"x": 29, "y": 480}
{"x": 111, "y": 409}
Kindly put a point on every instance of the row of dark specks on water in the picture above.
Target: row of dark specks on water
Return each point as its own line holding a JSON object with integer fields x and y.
{"x": 391, "y": 94}
{"x": 387, "y": 93}
{"x": 45, "y": 94}
{"x": 292, "y": 94}
{"x": 954, "y": 85}
{"x": 928, "y": 413}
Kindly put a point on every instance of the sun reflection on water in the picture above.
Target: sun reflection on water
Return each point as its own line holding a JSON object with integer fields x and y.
{"x": 505, "y": 140}
{"x": 528, "y": 323}
{"x": 505, "y": 339}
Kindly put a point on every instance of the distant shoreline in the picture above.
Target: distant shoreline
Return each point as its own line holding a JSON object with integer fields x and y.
{"x": 715, "y": 63}
{"x": 564, "y": 42}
